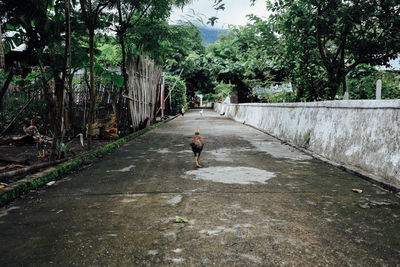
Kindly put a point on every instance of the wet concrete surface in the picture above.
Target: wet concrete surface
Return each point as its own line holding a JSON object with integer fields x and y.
{"x": 254, "y": 202}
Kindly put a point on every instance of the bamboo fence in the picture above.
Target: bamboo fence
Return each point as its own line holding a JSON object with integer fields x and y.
{"x": 143, "y": 85}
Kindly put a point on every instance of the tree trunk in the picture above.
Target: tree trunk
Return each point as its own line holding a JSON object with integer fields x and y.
{"x": 336, "y": 78}
{"x": 71, "y": 104}
{"x": 50, "y": 107}
{"x": 121, "y": 114}
{"x": 5, "y": 87}
{"x": 334, "y": 85}
{"x": 123, "y": 67}
{"x": 3, "y": 66}
{"x": 344, "y": 84}
{"x": 2, "y": 61}
{"x": 92, "y": 93}
{"x": 67, "y": 50}
{"x": 59, "y": 90}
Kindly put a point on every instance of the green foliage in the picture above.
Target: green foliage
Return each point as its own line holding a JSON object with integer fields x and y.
{"x": 307, "y": 139}
{"x": 198, "y": 67}
{"x": 181, "y": 219}
{"x": 308, "y": 43}
{"x": 167, "y": 44}
{"x": 178, "y": 92}
{"x": 110, "y": 51}
{"x": 222, "y": 90}
{"x": 310, "y": 79}
{"x": 391, "y": 85}
{"x": 41, "y": 25}
{"x": 109, "y": 76}
{"x": 33, "y": 111}
{"x": 361, "y": 83}
{"x": 63, "y": 149}
{"x": 279, "y": 97}
{"x": 114, "y": 78}
{"x": 329, "y": 34}
{"x": 28, "y": 86}
{"x": 245, "y": 57}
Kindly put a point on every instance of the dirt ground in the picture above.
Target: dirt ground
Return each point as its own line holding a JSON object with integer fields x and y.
{"x": 17, "y": 156}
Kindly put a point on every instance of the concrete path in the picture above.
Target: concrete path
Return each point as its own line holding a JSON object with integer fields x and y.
{"x": 255, "y": 202}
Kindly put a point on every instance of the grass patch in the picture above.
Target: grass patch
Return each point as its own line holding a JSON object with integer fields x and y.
{"x": 307, "y": 139}
{"x": 285, "y": 142}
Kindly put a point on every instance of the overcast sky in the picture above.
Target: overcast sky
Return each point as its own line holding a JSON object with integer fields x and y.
{"x": 235, "y": 11}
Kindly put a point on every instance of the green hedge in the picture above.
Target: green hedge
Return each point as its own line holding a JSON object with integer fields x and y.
{"x": 178, "y": 92}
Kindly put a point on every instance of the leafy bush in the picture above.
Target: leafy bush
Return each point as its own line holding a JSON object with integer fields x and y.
{"x": 14, "y": 105}
{"x": 361, "y": 83}
{"x": 221, "y": 91}
{"x": 279, "y": 97}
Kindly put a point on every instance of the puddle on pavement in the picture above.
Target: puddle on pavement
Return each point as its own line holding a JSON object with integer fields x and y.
{"x": 232, "y": 175}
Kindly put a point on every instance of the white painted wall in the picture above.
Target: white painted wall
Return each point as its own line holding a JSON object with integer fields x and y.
{"x": 363, "y": 135}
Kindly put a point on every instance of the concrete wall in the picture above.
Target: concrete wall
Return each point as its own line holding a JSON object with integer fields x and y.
{"x": 363, "y": 135}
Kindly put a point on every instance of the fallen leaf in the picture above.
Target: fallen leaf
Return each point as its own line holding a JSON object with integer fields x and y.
{"x": 357, "y": 190}
{"x": 181, "y": 219}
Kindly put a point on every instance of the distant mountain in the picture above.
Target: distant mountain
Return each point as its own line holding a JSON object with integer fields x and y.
{"x": 210, "y": 35}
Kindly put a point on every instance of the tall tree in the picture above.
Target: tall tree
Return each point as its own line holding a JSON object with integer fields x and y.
{"x": 42, "y": 24}
{"x": 7, "y": 82}
{"x": 346, "y": 33}
{"x": 91, "y": 11}
{"x": 130, "y": 14}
